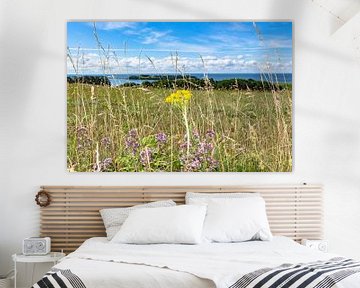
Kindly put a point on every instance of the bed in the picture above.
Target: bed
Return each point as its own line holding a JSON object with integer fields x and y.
{"x": 99, "y": 263}
{"x": 294, "y": 211}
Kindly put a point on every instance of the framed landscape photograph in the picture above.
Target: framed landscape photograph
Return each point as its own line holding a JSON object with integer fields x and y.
{"x": 179, "y": 96}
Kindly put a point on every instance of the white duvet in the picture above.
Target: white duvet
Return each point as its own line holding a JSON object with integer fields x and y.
{"x": 100, "y": 263}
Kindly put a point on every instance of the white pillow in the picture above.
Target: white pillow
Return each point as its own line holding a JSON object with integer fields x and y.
{"x": 113, "y": 218}
{"x": 180, "y": 224}
{"x": 204, "y": 198}
{"x": 236, "y": 220}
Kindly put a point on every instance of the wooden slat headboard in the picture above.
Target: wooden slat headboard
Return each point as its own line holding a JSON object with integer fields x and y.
{"x": 73, "y": 215}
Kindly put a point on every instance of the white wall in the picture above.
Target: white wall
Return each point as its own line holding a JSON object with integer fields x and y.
{"x": 33, "y": 107}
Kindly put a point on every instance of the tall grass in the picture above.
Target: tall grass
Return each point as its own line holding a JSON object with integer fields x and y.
{"x": 128, "y": 129}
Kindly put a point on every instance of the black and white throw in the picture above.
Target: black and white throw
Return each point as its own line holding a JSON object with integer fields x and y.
{"x": 319, "y": 274}
{"x": 58, "y": 278}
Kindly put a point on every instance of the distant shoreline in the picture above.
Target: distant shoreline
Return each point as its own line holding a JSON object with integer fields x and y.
{"x": 121, "y": 79}
{"x": 266, "y": 82}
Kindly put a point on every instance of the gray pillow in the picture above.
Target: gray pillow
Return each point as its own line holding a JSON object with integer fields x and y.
{"x": 113, "y": 218}
{"x": 204, "y": 198}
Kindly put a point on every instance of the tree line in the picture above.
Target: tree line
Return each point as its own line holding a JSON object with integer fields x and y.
{"x": 89, "y": 79}
{"x": 188, "y": 83}
{"x": 227, "y": 84}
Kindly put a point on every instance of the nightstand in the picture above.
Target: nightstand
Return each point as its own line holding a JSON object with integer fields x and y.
{"x": 320, "y": 245}
{"x": 53, "y": 257}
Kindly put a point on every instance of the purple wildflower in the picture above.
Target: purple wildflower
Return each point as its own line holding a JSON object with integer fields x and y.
{"x": 161, "y": 138}
{"x": 106, "y": 142}
{"x": 146, "y": 156}
{"x": 131, "y": 141}
{"x": 103, "y": 165}
{"x": 210, "y": 134}
{"x": 212, "y": 163}
{"x": 183, "y": 146}
{"x": 196, "y": 134}
{"x": 200, "y": 156}
{"x": 133, "y": 133}
{"x": 132, "y": 144}
{"x": 204, "y": 148}
{"x": 81, "y": 132}
{"x": 106, "y": 163}
{"x": 195, "y": 164}
{"x": 82, "y": 138}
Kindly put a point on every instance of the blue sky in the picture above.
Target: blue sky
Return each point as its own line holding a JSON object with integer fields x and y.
{"x": 189, "y": 47}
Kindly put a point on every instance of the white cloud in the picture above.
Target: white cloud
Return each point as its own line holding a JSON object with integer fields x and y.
{"x": 114, "y": 25}
{"x": 153, "y": 37}
{"x": 239, "y": 27}
{"x": 91, "y": 63}
{"x": 178, "y": 46}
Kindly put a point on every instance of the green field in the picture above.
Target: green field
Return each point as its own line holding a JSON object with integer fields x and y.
{"x": 131, "y": 129}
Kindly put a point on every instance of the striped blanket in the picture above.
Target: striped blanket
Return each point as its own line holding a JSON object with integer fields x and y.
{"x": 57, "y": 278}
{"x": 320, "y": 274}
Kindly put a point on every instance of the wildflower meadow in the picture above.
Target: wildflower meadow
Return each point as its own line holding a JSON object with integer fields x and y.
{"x": 188, "y": 124}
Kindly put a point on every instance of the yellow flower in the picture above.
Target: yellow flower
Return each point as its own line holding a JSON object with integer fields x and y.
{"x": 179, "y": 98}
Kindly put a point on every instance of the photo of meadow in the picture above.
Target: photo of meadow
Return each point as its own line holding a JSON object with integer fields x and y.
{"x": 179, "y": 96}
